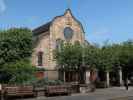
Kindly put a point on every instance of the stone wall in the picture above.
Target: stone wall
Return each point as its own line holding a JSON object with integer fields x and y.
{"x": 42, "y": 45}
{"x": 57, "y": 32}
{"x": 47, "y": 41}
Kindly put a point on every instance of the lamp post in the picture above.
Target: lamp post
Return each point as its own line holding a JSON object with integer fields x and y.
{"x": 83, "y": 65}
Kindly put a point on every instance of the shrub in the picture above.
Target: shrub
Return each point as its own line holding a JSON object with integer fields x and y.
{"x": 45, "y": 82}
{"x": 21, "y": 72}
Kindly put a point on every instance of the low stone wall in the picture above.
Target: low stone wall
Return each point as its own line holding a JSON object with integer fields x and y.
{"x": 52, "y": 74}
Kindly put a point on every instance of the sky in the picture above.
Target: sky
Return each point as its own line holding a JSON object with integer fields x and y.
{"x": 103, "y": 20}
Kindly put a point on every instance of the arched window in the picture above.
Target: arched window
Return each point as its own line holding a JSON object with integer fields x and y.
{"x": 58, "y": 44}
{"x": 68, "y": 33}
{"x": 40, "y": 58}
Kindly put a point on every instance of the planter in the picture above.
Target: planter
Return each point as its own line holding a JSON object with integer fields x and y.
{"x": 57, "y": 90}
{"x": 75, "y": 88}
{"x": 101, "y": 84}
{"x": 84, "y": 88}
{"x": 40, "y": 91}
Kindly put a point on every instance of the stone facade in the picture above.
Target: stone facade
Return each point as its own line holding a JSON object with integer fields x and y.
{"x": 45, "y": 41}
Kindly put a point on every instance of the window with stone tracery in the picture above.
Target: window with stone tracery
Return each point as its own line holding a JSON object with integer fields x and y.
{"x": 68, "y": 33}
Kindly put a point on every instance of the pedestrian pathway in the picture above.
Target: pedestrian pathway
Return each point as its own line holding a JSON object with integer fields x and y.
{"x": 115, "y": 93}
{"x": 123, "y": 98}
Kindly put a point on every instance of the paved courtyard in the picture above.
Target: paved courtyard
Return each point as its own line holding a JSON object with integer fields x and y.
{"x": 115, "y": 93}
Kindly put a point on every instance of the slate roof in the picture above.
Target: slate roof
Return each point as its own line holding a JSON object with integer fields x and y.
{"x": 42, "y": 29}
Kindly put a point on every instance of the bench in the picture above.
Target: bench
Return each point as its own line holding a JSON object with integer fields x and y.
{"x": 57, "y": 90}
{"x": 19, "y": 91}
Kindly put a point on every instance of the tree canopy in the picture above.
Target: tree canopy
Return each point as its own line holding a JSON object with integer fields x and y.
{"x": 106, "y": 58}
{"x": 15, "y": 44}
{"x": 69, "y": 56}
{"x": 15, "y": 53}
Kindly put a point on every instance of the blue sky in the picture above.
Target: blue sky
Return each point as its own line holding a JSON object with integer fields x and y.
{"x": 102, "y": 19}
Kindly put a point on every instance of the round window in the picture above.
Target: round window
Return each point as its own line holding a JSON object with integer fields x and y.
{"x": 68, "y": 33}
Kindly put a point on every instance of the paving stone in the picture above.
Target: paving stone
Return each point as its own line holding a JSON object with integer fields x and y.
{"x": 115, "y": 93}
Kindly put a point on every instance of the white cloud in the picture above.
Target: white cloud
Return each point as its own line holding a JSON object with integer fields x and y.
{"x": 2, "y": 6}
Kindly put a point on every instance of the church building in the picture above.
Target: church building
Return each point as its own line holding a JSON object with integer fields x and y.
{"x": 48, "y": 37}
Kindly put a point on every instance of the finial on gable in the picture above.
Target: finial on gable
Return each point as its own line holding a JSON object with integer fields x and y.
{"x": 68, "y": 12}
{"x": 68, "y": 16}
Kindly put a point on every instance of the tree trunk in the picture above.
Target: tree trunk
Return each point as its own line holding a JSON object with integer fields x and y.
{"x": 120, "y": 77}
{"x": 87, "y": 77}
{"x": 64, "y": 77}
{"x": 107, "y": 79}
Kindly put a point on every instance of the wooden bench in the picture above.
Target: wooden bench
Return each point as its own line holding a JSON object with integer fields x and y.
{"x": 57, "y": 90}
{"x": 19, "y": 91}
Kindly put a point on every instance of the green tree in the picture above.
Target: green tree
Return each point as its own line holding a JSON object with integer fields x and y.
{"x": 15, "y": 44}
{"x": 69, "y": 57}
{"x": 107, "y": 58}
{"x": 91, "y": 55}
{"x": 126, "y": 57}
{"x": 15, "y": 47}
{"x": 21, "y": 72}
